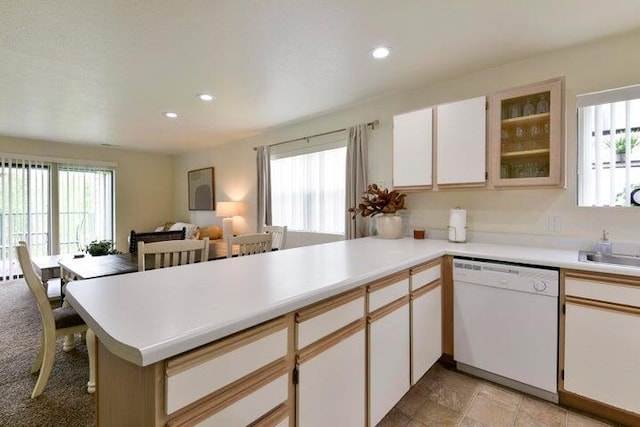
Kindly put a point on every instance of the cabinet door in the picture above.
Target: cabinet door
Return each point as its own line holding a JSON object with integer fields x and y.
{"x": 461, "y": 143}
{"x": 412, "y": 149}
{"x": 331, "y": 385}
{"x": 601, "y": 354}
{"x": 389, "y": 360}
{"x": 426, "y": 330}
{"x": 526, "y": 145}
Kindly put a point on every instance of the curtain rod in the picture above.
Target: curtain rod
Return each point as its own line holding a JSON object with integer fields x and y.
{"x": 372, "y": 125}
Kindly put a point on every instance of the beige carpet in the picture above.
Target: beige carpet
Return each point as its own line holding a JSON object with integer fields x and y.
{"x": 65, "y": 401}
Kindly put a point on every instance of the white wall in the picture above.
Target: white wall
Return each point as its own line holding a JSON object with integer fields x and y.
{"x": 144, "y": 181}
{"x": 600, "y": 65}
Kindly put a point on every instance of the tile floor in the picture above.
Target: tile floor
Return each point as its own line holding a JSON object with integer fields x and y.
{"x": 444, "y": 398}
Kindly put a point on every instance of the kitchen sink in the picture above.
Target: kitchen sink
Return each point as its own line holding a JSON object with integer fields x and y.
{"x": 618, "y": 259}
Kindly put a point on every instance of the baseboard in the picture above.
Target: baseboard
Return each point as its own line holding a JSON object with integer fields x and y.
{"x": 598, "y": 408}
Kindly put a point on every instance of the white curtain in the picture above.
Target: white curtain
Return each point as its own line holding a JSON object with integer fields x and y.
{"x": 356, "y": 179}
{"x": 308, "y": 191}
{"x": 264, "y": 187}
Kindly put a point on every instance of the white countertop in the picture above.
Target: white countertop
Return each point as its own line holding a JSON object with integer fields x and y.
{"x": 150, "y": 316}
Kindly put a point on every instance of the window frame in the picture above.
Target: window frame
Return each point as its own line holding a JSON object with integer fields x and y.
{"x": 604, "y": 99}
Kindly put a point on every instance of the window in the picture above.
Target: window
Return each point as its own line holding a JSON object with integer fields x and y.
{"x": 608, "y": 136}
{"x": 24, "y": 210}
{"x": 308, "y": 187}
{"x": 55, "y": 207}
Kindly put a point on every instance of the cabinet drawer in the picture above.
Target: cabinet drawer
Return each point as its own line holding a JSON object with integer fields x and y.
{"x": 278, "y": 417}
{"x": 603, "y": 290}
{"x": 201, "y": 372}
{"x": 251, "y": 407}
{"x": 320, "y": 320}
{"x": 388, "y": 290}
{"x": 425, "y": 274}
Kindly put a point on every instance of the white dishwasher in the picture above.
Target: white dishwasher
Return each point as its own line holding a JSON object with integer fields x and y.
{"x": 506, "y": 324}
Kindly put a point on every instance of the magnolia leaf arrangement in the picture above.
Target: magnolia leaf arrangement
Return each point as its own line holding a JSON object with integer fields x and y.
{"x": 377, "y": 200}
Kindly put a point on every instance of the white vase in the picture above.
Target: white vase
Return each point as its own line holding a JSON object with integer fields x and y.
{"x": 389, "y": 226}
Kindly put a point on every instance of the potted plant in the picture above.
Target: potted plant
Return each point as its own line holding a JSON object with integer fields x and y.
{"x": 621, "y": 146}
{"x": 101, "y": 247}
{"x": 380, "y": 201}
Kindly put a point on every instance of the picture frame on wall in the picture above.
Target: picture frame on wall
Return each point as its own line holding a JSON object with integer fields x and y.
{"x": 201, "y": 190}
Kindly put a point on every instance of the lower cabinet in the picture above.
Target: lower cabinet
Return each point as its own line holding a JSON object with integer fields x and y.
{"x": 345, "y": 361}
{"x": 244, "y": 379}
{"x": 388, "y": 359}
{"x": 426, "y": 318}
{"x": 241, "y": 380}
{"x": 331, "y": 362}
{"x": 426, "y": 329}
{"x": 602, "y": 346}
{"x": 331, "y": 385}
{"x": 389, "y": 343}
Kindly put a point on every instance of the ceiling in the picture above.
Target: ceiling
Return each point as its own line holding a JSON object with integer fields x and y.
{"x": 103, "y": 72}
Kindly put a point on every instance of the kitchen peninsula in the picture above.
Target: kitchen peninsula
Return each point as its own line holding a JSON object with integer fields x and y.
{"x": 185, "y": 345}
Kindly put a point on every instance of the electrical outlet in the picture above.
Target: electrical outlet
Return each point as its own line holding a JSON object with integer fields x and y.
{"x": 554, "y": 224}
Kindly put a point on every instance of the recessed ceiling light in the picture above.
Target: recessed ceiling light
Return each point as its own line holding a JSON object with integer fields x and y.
{"x": 206, "y": 97}
{"x": 381, "y": 52}
{"x": 171, "y": 115}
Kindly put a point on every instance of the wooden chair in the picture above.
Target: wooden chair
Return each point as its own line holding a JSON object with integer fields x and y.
{"x": 171, "y": 253}
{"x": 53, "y": 287}
{"x": 249, "y": 244}
{"x": 278, "y": 236}
{"x": 56, "y": 323}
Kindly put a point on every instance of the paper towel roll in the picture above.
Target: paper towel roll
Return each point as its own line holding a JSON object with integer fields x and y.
{"x": 457, "y": 225}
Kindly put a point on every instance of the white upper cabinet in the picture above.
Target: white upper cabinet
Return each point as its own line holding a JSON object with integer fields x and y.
{"x": 412, "y": 149}
{"x": 461, "y": 129}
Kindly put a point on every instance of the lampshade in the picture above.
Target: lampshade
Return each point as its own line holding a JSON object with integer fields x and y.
{"x": 227, "y": 209}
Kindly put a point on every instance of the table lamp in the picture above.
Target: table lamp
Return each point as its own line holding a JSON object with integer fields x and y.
{"x": 226, "y": 211}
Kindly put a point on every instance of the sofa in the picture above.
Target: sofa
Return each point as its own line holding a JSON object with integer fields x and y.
{"x": 179, "y": 231}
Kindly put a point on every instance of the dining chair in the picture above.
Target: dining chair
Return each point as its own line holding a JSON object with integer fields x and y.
{"x": 53, "y": 287}
{"x": 278, "y": 236}
{"x": 56, "y": 323}
{"x": 170, "y": 253}
{"x": 249, "y": 244}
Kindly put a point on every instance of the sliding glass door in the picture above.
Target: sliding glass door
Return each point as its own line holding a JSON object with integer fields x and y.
{"x": 86, "y": 206}
{"x": 57, "y": 208}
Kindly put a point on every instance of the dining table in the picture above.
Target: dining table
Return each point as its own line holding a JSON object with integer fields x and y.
{"x": 91, "y": 267}
{"x": 48, "y": 266}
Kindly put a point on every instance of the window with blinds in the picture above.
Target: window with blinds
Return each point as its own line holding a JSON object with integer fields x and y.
{"x": 608, "y": 152}
{"x": 53, "y": 206}
{"x": 24, "y": 210}
{"x": 308, "y": 185}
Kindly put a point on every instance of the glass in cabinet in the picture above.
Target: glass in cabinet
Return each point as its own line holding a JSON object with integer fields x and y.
{"x": 526, "y": 140}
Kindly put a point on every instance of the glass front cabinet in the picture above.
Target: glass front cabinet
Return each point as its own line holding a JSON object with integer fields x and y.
{"x": 526, "y": 145}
